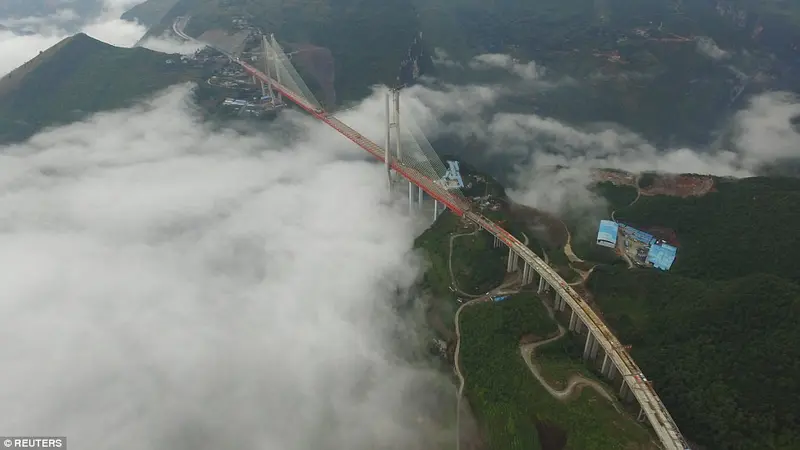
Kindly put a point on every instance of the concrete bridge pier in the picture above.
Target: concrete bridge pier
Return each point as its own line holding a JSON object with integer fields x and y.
{"x": 624, "y": 389}
{"x": 641, "y": 415}
{"x": 513, "y": 261}
{"x": 573, "y": 319}
{"x": 410, "y": 198}
{"x": 560, "y": 303}
{"x": 593, "y": 350}
{"x": 605, "y": 368}
{"x": 541, "y": 285}
{"x": 612, "y": 371}
{"x": 530, "y": 276}
{"x": 587, "y": 348}
{"x": 525, "y": 274}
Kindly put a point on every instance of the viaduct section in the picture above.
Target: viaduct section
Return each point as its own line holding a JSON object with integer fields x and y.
{"x": 616, "y": 363}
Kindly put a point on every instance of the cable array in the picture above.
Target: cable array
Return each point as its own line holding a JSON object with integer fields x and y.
{"x": 282, "y": 70}
{"x": 422, "y": 150}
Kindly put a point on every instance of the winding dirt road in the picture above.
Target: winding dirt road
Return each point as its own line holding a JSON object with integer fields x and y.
{"x": 571, "y": 256}
{"x": 574, "y": 383}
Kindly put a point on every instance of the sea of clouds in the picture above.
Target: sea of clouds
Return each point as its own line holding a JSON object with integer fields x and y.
{"x": 166, "y": 284}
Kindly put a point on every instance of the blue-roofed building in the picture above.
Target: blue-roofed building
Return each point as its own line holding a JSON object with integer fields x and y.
{"x": 452, "y": 177}
{"x": 641, "y": 236}
{"x": 607, "y": 233}
{"x": 661, "y": 256}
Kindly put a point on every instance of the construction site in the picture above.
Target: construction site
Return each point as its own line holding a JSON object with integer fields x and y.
{"x": 678, "y": 185}
{"x": 637, "y": 247}
{"x": 682, "y": 185}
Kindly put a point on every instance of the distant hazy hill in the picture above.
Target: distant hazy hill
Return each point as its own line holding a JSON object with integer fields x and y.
{"x": 368, "y": 39}
{"x": 149, "y": 12}
{"x": 79, "y": 75}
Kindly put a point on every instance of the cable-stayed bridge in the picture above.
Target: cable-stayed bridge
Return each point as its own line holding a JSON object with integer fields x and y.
{"x": 415, "y": 161}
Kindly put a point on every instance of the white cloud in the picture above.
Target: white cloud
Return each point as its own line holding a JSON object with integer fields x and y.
{"x": 527, "y": 71}
{"x": 492, "y": 61}
{"x": 167, "y": 286}
{"x": 759, "y": 135}
{"x": 170, "y": 44}
{"x": 60, "y": 16}
{"x": 442, "y": 58}
{"x": 41, "y": 33}
{"x": 708, "y": 47}
{"x": 17, "y": 48}
{"x": 535, "y": 145}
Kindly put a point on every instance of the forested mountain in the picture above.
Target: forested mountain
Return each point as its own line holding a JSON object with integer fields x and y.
{"x": 78, "y": 76}
{"x": 718, "y": 334}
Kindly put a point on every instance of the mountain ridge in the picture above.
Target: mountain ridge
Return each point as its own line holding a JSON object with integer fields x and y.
{"x": 78, "y": 76}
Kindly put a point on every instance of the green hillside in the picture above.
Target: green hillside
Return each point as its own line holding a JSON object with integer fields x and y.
{"x": 78, "y": 76}
{"x": 718, "y": 333}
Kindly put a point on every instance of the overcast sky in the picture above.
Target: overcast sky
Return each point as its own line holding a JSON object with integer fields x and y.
{"x": 166, "y": 286}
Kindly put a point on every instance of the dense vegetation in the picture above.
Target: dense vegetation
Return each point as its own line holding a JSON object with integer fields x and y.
{"x": 718, "y": 333}
{"x": 723, "y": 355}
{"x": 435, "y": 243}
{"x": 79, "y": 76}
{"x": 618, "y": 196}
{"x": 477, "y": 267}
{"x": 746, "y": 227}
{"x": 515, "y": 410}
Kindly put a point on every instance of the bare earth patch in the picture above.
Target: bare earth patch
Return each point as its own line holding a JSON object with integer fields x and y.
{"x": 663, "y": 184}
{"x": 680, "y": 186}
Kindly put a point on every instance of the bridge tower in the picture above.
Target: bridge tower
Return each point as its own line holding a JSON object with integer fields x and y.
{"x": 267, "y": 57}
{"x": 391, "y": 122}
{"x": 277, "y": 71}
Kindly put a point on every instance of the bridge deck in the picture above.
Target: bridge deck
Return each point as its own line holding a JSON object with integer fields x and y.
{"x": 651, "y": 404}
{"x": 414, "y": 176}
